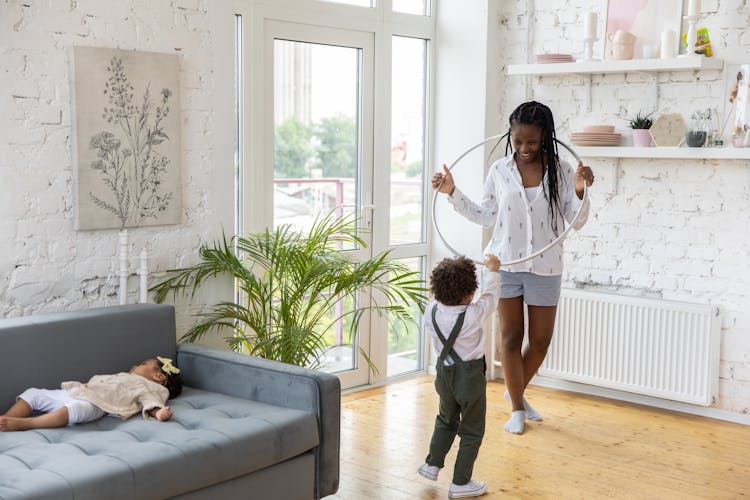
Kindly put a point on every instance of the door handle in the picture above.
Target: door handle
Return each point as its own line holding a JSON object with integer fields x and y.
{"x": 367, "y": 214}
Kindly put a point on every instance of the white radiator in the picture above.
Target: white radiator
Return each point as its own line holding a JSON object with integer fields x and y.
{"x": 654, "y": 347}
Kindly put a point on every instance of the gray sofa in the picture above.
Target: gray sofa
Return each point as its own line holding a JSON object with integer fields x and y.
{"x": 243, "y": 427}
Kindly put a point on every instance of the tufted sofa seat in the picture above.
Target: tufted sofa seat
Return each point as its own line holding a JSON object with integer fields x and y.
{"x": 211, "y": 439}
{"x": 217, "y": 445}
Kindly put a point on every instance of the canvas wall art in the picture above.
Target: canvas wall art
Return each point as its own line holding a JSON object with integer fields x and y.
{"x": 127, "y": 138}
{"x": 646, "y": 19}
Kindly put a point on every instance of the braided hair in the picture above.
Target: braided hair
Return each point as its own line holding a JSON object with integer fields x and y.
{"x": 539, "y": 115}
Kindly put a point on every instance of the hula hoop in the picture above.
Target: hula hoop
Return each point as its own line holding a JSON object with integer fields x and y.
{"x": 554, "y": 242}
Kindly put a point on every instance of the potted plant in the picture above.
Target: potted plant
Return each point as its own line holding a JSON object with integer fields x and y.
{"x": 640, "y": 125}
{"x": 292, "y": 287}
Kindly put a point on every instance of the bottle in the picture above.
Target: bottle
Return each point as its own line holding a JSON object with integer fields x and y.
{"x": 696, "y": 136}
{"x": 738, "y": 140}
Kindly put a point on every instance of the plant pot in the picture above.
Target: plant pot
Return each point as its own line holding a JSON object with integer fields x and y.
{"x": 641, "y": 138}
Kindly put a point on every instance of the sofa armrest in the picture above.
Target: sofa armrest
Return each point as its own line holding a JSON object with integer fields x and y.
{"x": 275, "y": 383}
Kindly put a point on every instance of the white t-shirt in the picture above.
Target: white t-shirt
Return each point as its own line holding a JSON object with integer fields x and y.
{"x": 522, "y": 225}
{"x": 469, "y": 344}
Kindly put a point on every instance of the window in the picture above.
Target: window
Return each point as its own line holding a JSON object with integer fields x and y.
{"x": 408, "y": 95}
{"x": 359, "y": 3}
{"x": 330, "y": 127}
{"x": 419, "y": 7}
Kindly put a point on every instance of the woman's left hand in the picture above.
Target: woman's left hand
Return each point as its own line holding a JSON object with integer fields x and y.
{"x": 583, "y": 174}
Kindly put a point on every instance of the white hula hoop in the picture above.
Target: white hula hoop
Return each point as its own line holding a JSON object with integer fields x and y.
{"x": 554, "y": 242}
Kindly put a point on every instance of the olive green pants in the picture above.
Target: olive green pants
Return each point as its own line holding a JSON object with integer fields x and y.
{"x": 462, "y": 388}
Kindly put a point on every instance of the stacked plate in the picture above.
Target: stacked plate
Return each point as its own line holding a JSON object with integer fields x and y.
{"x": 596, "y": 135}
{"x": 554, "y": 58}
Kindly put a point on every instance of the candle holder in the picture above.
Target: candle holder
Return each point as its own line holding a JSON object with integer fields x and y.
{"x": 588, "y": 49}
{"x": 124, "y": 268}
{"x": 143, "y": 275}
{"x": 691, "y": 36}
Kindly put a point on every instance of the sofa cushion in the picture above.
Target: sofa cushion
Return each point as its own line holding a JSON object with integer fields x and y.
{"x": 211, "y": 438}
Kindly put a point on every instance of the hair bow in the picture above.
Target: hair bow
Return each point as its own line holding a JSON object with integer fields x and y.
{"x": 167, "y": 366}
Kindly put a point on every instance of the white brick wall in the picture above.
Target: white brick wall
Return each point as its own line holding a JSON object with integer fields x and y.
{"x": 45, "y": 265}
{"x": 676, "y": 229}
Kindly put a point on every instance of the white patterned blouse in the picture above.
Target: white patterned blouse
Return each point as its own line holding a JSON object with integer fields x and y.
{"x": 522, "y": 226}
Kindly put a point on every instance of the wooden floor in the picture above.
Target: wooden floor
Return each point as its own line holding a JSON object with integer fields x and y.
{"x": 586, "y": 448}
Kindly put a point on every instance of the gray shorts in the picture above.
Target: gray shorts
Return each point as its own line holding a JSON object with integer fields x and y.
{"x": 536, "y": 289}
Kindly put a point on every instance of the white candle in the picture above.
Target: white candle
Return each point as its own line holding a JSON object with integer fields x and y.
{"x": 589, "y": 26}
{"x": 667, "y": 44}
{"x": 694, "y": 8}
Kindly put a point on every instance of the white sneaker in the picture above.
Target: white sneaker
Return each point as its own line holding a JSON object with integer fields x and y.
{"x": 470, "y": 489}
{"x": 429, "y": 471}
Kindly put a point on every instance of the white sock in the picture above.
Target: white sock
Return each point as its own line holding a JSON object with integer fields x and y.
{"x": 516, "y": 423}
{"x": 531, "y": 413}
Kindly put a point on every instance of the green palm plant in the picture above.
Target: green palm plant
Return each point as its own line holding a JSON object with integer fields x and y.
{"x": 290, "y": 285}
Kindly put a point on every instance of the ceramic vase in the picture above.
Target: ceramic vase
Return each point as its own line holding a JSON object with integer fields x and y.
{"x": 695, "y": 138}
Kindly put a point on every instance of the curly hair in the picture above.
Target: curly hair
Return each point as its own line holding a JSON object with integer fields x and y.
{"x": 452, "y": 280}
{"x": 173, "y": 382}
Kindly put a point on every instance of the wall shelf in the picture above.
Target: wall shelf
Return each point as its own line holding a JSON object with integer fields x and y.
{"x": 614, "y": 66}
{"x": 652, "y": 66}
{"x": 725, "y": 153}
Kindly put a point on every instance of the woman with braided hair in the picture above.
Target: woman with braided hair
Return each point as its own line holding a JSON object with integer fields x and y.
{"x": 526, "y": 193}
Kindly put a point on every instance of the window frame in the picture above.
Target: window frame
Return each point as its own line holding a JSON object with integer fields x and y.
{"x": 383, "y": 23}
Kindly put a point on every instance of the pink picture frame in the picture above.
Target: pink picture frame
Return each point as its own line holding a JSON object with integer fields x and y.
{"x": 646, "y": 19}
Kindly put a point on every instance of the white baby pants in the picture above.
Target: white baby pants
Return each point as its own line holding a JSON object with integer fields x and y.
{"x": 46, "y": 400}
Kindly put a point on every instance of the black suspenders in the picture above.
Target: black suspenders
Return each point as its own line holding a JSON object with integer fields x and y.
{"x": 448, "y": 344}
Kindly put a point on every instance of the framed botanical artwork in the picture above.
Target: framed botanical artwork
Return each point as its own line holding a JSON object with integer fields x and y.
{"x": 646, "y": 20}
{"x": 127, "y": 138}
{"x": 736, "y": 109}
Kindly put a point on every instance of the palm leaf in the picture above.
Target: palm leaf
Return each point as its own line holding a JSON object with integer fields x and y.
{"x": 290, "y": 285}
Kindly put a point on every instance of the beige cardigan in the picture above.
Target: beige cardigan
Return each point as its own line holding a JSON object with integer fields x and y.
{"x": 122, "y": 394}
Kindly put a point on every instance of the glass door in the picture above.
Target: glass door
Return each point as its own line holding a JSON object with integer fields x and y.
{"x": 322, "y": 150}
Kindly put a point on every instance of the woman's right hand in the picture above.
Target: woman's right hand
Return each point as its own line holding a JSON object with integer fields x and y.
{"x": 443, "y": 181}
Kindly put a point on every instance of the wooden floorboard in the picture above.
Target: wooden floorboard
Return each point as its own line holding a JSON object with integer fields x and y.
{"x": 586, "y": 448}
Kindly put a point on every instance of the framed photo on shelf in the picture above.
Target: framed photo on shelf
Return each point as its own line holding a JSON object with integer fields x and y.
{"x": 646, "y": 20}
